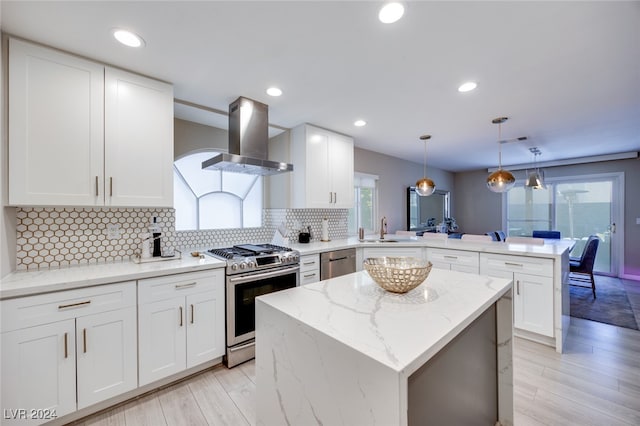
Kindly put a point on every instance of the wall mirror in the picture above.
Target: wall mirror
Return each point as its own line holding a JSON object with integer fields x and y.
{"x": 425, "y": 213}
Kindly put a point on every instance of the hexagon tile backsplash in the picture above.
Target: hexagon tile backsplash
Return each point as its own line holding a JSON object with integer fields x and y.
{"x": 60, "y": 237}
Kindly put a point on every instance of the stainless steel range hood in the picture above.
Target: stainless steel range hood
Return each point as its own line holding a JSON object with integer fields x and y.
{"x": 248, "y": 138}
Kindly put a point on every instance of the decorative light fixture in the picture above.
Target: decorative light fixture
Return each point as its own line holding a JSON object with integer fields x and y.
{"x": 501, "y": 180}
{"x": 128, "y": 38}
{"x": 468, "y": 86}
{"x": 274, "y": 91}
{"x": 535, "y": 179}
{"x": 425, "y": 186}
{"x": 359, "y": 123}
{"x": 391, "y": 12}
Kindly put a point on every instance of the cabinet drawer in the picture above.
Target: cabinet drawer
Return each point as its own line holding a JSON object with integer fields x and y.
{"x": 161, "y": 288}
{"x": 454, "y": 257}
{"x": 505, "y": 263}
{"x": 390, "y": 251}
{"x": 309, "y": 276}
{"x": 309, "y": 262}
{"x": 52, "y": 307}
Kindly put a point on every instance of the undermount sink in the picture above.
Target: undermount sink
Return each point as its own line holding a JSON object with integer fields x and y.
{"x": 378, "y": 240}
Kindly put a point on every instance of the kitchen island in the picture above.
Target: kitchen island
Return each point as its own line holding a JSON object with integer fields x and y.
{"x": 344, "y": 351}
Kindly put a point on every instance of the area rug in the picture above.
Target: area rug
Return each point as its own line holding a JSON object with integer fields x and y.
{"x": 610, "y": 307}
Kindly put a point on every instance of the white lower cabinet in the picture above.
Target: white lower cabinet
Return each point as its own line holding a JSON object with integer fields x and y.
{"x": 309, "y": 269}
{"x": 454, "y": 260}
{"x": 67, "y": 350}
{"x": 391, "y": 251}
{"x": 180, "y": 323}
{"x": 533, "y": 289}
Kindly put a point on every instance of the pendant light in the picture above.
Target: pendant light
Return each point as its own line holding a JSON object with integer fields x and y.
{"x": 501, "y": 180}
{"x": 535, "y": 178}
{"x": 425, "y": 186}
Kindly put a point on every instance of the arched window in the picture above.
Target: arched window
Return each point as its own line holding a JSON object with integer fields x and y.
{"x": 207, "y": 199}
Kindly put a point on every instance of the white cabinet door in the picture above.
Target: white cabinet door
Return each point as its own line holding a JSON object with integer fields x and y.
{"x": 205, "y": 327}
{"x": 39, "y": 370}
{"x": 318, "y": 185}
{"x": 323, "y": 169}
{"x": 138, "y": 140}
{"x": 390, "y": 251}
{"x": 341, "y": 171}
{"x": 533, "y": 303}
{"x": 56, "y": 104}
{"x": 162, "y": 341}
{"x": 106, "y": 347}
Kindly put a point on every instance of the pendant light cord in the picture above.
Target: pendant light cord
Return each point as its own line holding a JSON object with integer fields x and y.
{"x": 424, "y": 166}
{"x": 500, "y": 146}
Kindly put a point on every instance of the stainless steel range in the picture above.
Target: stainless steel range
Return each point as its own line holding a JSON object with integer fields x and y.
{"x": 252, "y": 270}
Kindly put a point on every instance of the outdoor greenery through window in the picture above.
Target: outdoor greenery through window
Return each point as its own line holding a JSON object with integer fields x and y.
{"x": 364, "y": 212}
{"x": 207, "y": 199}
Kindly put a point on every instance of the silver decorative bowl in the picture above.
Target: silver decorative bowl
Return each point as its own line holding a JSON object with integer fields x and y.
{"x": 397, "y": 274}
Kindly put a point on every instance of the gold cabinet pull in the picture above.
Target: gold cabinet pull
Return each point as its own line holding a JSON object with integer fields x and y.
{"x": 518, "y": 287}
{"x": 97, "y": 193}
{"x": 192, "y": 313}
{"x": 310, "y": 275}
{"x": 84, "y": 340}
{"x": 110, "y": 186}
{"x": 513, "y": 264}
{"x": 74, "y": 305}
{"x": 446, "y": 256}
{"x": 335, "y": 198}
{"x": 330, "y": 198}
{"x": 66, "y": 351}
{"x": 180, "y": 316}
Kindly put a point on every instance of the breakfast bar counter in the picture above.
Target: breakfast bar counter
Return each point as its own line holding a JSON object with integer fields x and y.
{"x": 345, "y": 351}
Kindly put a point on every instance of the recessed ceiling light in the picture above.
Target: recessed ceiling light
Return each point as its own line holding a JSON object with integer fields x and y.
{"x": 128, "y": 38}
{"x": 274, "y": 91}
{"x": 468, "y": 86}
{"x": 359, "y": 123}
{"x": 391, "y": 12}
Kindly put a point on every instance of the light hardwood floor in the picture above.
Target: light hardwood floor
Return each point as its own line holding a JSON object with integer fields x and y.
{"x": 596, "y": 382}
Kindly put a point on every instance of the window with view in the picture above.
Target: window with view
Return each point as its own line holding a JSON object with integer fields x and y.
{"x": 206, "y": 199}
{"x": 365, "y": 209}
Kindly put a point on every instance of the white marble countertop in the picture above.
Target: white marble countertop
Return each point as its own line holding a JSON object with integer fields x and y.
{"x": 401, "y": 331}
{"x": 550, "y": 249}
{"x": 25, "y": 283}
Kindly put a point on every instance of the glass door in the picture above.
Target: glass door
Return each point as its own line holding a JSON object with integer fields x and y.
{"x": 586, "y": 208}
{"x": 577, "y": 207}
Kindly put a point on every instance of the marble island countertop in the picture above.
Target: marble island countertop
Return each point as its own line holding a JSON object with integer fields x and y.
{"x": 401, "y": 331}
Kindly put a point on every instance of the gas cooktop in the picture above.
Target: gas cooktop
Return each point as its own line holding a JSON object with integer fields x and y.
{"x": 251, "y": 257}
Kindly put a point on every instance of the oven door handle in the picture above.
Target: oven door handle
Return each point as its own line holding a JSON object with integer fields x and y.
{"x": 255, "y": 277}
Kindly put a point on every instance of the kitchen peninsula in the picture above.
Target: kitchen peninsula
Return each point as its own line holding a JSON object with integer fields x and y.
{"x": 344, "y": 351}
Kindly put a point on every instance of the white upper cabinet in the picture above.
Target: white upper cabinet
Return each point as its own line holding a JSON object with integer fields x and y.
{"x": 56, "y": 110}
{"x": 322, "y": 174}
{"x": 138, "y": 140}
{"x": 80, "y": 135}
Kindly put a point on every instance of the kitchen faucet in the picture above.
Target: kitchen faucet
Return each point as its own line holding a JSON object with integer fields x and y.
{"x": 383, "y": 227}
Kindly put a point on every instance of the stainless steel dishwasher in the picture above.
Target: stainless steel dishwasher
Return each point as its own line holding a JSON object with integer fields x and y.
{"x": 336, "y": 263}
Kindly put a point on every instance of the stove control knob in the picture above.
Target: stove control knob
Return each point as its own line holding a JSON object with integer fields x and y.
{"x": 252, "y": 264}
{"x": 295, "y": 257}
{"x": 243, "y": 265}
{"x": 234, "y": 267}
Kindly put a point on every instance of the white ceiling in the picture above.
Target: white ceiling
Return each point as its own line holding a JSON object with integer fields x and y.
{"x": 566, "y": 73}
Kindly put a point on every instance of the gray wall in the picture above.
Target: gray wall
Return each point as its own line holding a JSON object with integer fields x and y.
{"x": 395, "y": 176}
{"x": 479, "y": 210}
{"x": 193, "y": 137}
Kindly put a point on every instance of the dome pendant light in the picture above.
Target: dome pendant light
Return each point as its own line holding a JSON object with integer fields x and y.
{"x": 501, "y": 180}
{"x": 425, "y": 186}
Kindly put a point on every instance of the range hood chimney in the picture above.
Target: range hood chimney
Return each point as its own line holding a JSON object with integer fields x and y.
{"x": 248, "y": 138}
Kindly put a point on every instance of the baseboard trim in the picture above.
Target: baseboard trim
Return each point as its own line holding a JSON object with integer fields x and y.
{"x": 630, "y": 277}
